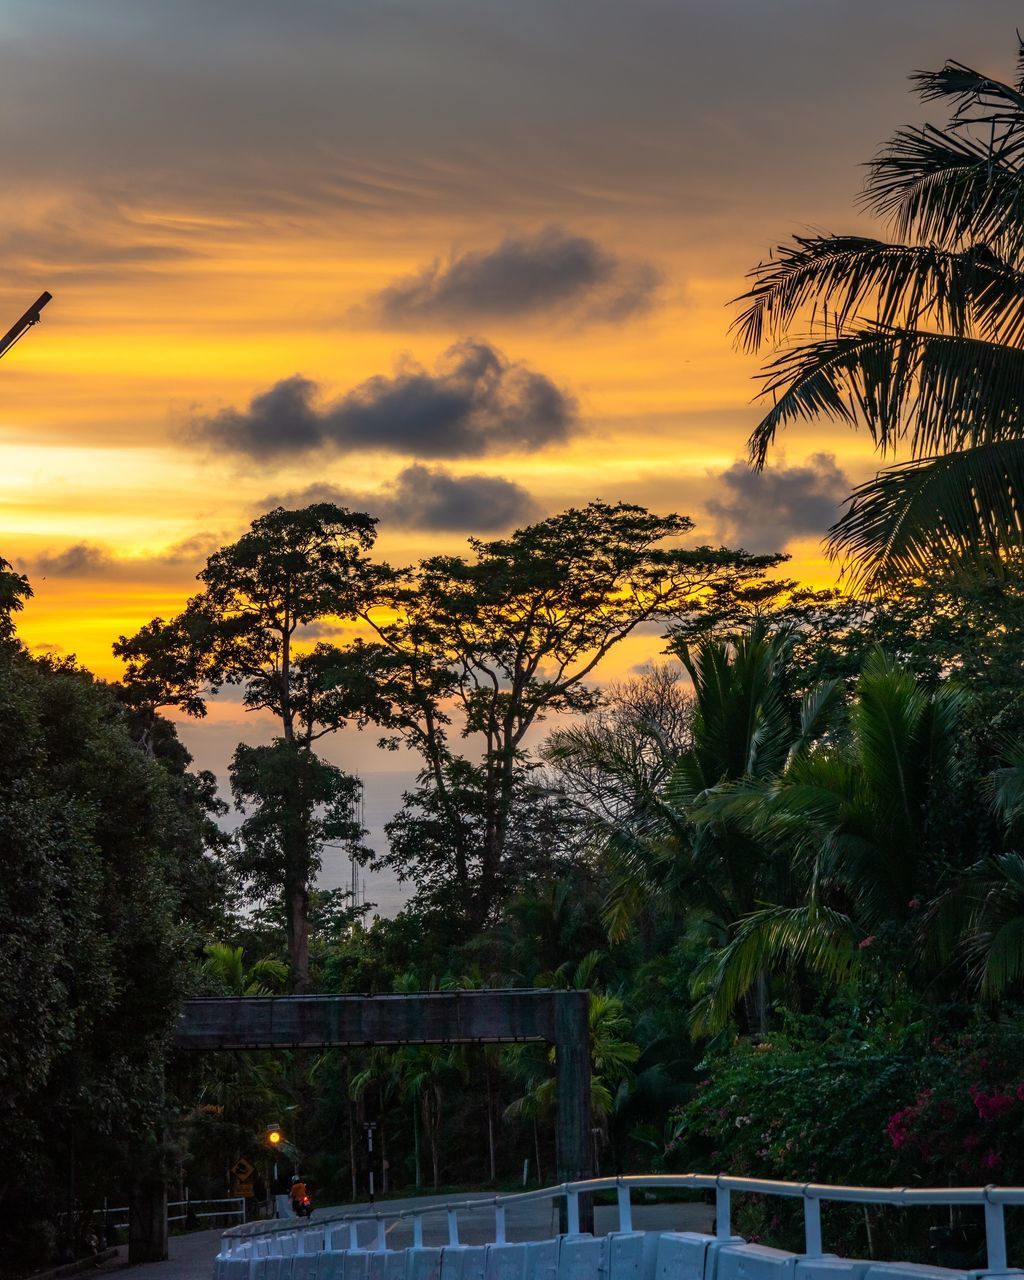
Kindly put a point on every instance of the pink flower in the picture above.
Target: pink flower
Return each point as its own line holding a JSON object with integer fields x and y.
{"x": 866, "y": 942}
{"x": 990, "y": 1106}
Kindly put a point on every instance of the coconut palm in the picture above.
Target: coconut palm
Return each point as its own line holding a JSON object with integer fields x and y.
{"x": 920, "y": 338}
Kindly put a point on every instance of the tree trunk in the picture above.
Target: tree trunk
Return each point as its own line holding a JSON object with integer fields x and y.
{"x": 297, "y": 905}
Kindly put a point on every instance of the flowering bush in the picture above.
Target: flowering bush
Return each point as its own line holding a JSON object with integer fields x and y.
{"x": 833, "y": 1101}
{"x": 966, "y": 1121}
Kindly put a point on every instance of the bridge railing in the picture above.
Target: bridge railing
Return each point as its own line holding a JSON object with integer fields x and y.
{"x": 992, "y": 1200}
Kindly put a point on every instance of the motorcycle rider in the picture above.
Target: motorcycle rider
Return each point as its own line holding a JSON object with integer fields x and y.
{"x": 299, "y": 1195}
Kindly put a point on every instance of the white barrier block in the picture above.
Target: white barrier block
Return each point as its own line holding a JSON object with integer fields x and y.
{"x": 332, "y": 1265}
{"x": 304, "y": 1266}
{"x": 505, "y": 1262}
{"x": 394, "y": 1264}
{"x": 423, "y": 1264}
{"x": 754, "y": 1262}
{"x": 289, "y": 1243}
{"x": 632, "y": 1255}
{"x": 285, "y": 1265}
{"x": 582, "y": 1257}
{"x": 258, "y": 1267}
{"x": 338, "y": 1238}
{"x": 463, "y": 1261}
{"x": 689, "y": 1255}
{"x": 377, "y": 1265}
{"x": 914, "y": 1271}
{"x": 236, "y": 1268}
{"x": 541, "y": 1259}
{"x": 356, "y": 1265}
{"x": 832, "y": 1268}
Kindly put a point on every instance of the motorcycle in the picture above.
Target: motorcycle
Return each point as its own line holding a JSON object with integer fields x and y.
{"x": 302, "y": 1206}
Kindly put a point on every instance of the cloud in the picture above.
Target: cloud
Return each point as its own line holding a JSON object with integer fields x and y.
{"x": 80, "y": 560}
{"x": 432, "y": 500}
{"x": 475, "y": 402}
{"x": 764, "y": 511}
{"x": 549, "y": 271}
{"x": 90, "y": 560}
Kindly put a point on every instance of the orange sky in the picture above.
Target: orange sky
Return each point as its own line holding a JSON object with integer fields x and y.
{"x": 215, "y": 195}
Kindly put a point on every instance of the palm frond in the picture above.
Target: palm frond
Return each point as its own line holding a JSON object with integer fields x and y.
{"x": 821, "y": 939}
{"x": 817, "y": 708}
{"x": 1005, "y": 785}
{"x": 942, "y": 391}
{"x": 971, "y": 90}
{"x": 847, "y": 276}
{"x": 957, "y": 510}
{"x": 949, "y": 187}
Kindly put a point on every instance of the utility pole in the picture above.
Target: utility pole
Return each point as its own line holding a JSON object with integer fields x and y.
{"x": 22, "y": 326}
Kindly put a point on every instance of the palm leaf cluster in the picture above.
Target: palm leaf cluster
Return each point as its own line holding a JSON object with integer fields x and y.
{"x": 919, "y": 338}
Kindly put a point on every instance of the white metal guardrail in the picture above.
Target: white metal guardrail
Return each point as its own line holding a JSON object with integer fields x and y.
{"x": 992, "y": 1200}
{"x": 189, "y": 1209}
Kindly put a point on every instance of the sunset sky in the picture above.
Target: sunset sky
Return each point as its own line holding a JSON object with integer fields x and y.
{"x": 456, "y": 263}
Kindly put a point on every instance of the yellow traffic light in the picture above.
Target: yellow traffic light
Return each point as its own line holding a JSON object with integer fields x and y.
{"x": 273, "y": 1136}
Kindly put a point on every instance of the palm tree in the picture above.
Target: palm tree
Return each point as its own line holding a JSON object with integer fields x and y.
{"x": 920, "y": 337}
{"x": 858, "y": 823}
{"x": 225, "y": 967}
{"x": 746, "y": 725}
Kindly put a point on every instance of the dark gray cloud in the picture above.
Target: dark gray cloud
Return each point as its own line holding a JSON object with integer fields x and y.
{"x": 763, "y": 511}
{"x": 475, "y": 402}
{"x": 80, "y": 560}
{"x": 430, "y": 499}
{"x": 91, "y": 560}
{"x": 548, "y": 271}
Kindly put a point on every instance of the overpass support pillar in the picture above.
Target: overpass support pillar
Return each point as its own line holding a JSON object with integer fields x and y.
{"x": 147, "y": 1220}
{"x": 573, "y": 1136}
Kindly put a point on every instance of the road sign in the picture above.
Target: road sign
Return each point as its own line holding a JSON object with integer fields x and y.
{"x": 243, "y": 1169}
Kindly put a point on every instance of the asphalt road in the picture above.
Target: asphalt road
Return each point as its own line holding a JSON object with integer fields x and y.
{"x": 191, "y": 1256}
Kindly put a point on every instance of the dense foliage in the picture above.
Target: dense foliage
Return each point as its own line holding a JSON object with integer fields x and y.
{"x": 108, "y": 886}
{"x": 788, "y": 864}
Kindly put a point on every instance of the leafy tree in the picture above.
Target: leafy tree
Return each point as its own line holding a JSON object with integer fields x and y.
{"x": 289, "y": 572}
{"x": 919, "y": 338}
{"x": 504, "y": 640}
{"x": 108, "y": 875}
{"x": 15, "y": 589}
{"x": 295, "y": 802}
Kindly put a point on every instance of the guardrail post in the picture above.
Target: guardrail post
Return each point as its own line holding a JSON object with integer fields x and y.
{"x": 353, "y": 1235}
{"x": 499, "y": 1224}
{"x": 995, "y": 1235}
{"x": 812, "y": 1226}
{"x": 723, "y": 1213}
{"x": 453, "y": 1227}
{"x": 417, "y": 1230}
{"x": 382, "y": 1239}
{"x": 625, "y": 1207}
{"x": 572, "y": 1211}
